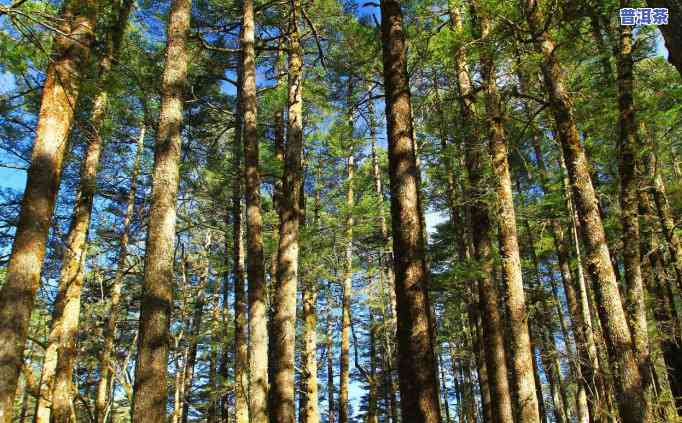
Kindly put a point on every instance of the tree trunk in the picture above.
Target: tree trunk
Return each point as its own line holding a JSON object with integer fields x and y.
{"x": 476, "y": 161}
{"x": 522, "y": 361}
{"x": 22, "y": 278}
{"x": 344, "y": 361}
{"x": 311, "y": 412}
{"x": 66, "y": 314}
{"x": 417, "y": 366}
{"x": 612, "y": 314}
{"x": 284, "y": 320}
{"x": 258, "y": 338}
{"x": 628, "y": 146}
{"x": 330, "y": 360}
{"x": 106, "y": 359}
{"x": 241, "y": 335}
{"x": 658, "y": 191}
{"x": 193, "y": 338}
{"x": 149, "y": 403}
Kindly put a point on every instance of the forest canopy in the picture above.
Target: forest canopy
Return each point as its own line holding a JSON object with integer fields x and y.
{"x": 306, "y": 211}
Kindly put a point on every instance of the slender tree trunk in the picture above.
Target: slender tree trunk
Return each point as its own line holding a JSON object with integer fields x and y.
{"x": 330, "y": 360}
{"x": 22, "y": 278}
{"x": 66, "y": 314}
{"x": 658, "y": 192}
{"x": 628, "y": 146}
{"x": 212, "y": 409}
{"x": 106, "y": 359}
{"x": 388, "y": 275}
{"x": 344, "y": 361}
{"x": 258, "y": 339}
{"x": 476, "y": 161}
{"x": 284, "y": 320}
{"x": 372, "y": 413}
{"x": 417, "y": 366}
{"x": 311, "y": 412}
{"x": 618, "y": 335}
{"x": 149, "y": 403}
{"x": 193, "y": 338}
{"x": 522, "y": 361}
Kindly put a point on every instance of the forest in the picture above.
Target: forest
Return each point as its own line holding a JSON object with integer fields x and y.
{"x": 340, "y": 211}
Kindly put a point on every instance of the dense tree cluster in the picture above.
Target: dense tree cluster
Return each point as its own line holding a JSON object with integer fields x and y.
{"x": 416, "y": 211}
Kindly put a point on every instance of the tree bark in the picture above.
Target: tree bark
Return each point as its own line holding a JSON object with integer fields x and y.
{"x": 344, "y": 361}
{"x": 284, "y": 319}
{"x": 521, "y": 353}
{"x": 618, "y": 335}
{"x": 106, "y": 356}
{"x": 149, "y": 404}
{"x": 258, "y": 338}
{"x": 628, "y": 146}
{"x": 477, "y": 162}
{"x": 22, "y": 278}
{"x": 241, "y": 333}
{"x": 66, "y": 315}
{"x": 417, "y": 366}
{"x": 311, "y": 412}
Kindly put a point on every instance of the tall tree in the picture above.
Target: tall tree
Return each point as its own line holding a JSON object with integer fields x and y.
{"x": 524, "y": 390}
{"x": 284, "y": 319}
{"x": 629, "y": 209}
{"x": 149, "y": 403}
{"x": 61, "y": 349}
{"x": 258, "y": 340}
{"x": 106, "y": 356}
{"x": 417, "y": 364}
{"x": 477, "y": 166}
{"x": 599, "y": 265}
{"x": 59, "y": 98}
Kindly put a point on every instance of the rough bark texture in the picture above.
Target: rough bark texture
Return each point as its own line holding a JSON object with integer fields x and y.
{"x": 521, "y": 353}
{"x": 22, "y": 279}
{"x": 149, "y": 403}
{"x": 417, "y": 366}
{"x": 66, "y": 314}
{"x": 258, "y": 338}
{"x": 476, "y": 162}
{"x": 612, "y": 314}
{"x": 284, "y": 319}
{"x": 628, "y": 146}
{"x": 106, "y": 356}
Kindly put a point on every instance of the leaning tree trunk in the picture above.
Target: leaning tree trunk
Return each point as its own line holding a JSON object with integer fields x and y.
{"x": 113, "y": 312}
{"x": 612, "y": 314}
{"x": 22, "y": 278}
{"x": 66, "y": 315}
{"x": 629, "y": 214}
{"x": 258, "y": 338}
{"x": 149, "y": 404}
{"x": 524, "y": 392}
{"x": 476, "y": 161}
{"x": 417, "y": 366}
{"x": 284, "y": 319}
